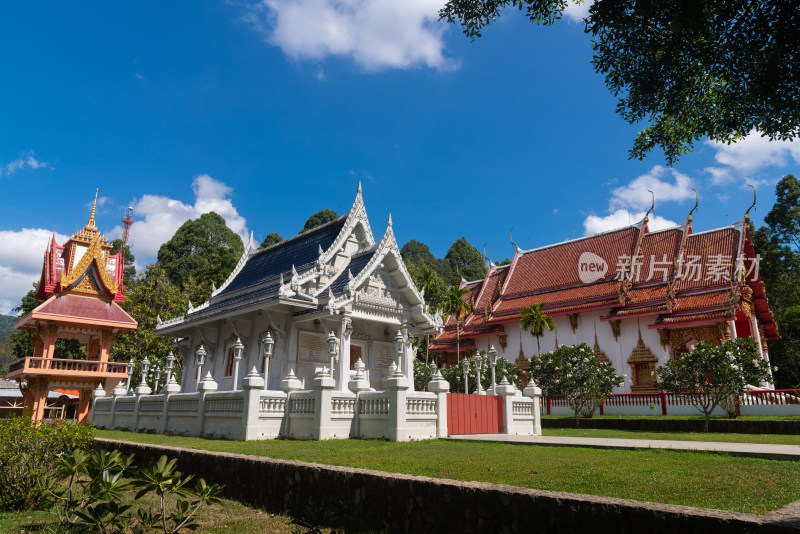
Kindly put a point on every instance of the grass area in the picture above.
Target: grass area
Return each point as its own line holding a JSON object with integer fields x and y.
{"x": 677, "y": 477}
{"x": 228, "y": 516}
{"x": 775, "y": 439}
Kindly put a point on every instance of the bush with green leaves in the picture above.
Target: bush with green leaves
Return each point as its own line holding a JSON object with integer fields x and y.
{"x": 29, "y": 450}
{"x": 91, "y": 492}
{"x": 573, "y": 372}
{"x": 714, "y": 376}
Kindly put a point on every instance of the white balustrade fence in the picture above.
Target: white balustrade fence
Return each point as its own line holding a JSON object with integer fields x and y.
{"x": 320, "y": 413}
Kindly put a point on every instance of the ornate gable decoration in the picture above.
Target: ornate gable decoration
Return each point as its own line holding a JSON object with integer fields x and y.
{"x": 642, "y": 354}
{"x": 599, "y": 354}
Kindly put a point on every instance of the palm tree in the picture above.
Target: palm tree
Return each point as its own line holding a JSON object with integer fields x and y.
{"x": 533, "y": 320}
{"x": 454, "y": 304}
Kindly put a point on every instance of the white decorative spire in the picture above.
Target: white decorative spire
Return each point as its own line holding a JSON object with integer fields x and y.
{"x": 251, "y": 244}
{"x": 390, "y": 220}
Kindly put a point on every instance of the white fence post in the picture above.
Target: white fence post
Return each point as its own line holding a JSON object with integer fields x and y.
{"x": 207, "y": 385}
{"x": 441, "y": 387}
{"x": 252, "y": 384}
{"x": 170, "y": 388}
{"x": 507, "y": 390}
{"x": 323, "y": 386}
{"x": 398, "y": 410}
{"x": 534, "y": 392}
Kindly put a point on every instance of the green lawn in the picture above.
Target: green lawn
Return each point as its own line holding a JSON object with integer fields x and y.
{"x": 687, "y": 478}
{"x": 778, "y": 439}
{"x": 228, "y": 516}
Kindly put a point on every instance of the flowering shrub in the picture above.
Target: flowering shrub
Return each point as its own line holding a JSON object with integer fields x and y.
{"x": 29, "y": 451}
{"x": 714, "y": 375}
{"x": 573, "y": 372}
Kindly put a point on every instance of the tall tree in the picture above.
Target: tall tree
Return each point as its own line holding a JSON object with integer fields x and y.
{"x": 318, "y": 219}
{"x": 151, "y": 296}
{"x": 431, "y": 285}
{"x": 464, "y": 260}
{"x": 692, "y": 70}
{"x": 454, "y": 304}
{"x": 272, "y": 239}
{"x": 534, "y": 320}
{"x": 778, "y": 245}
{"x": 203, "y": 251}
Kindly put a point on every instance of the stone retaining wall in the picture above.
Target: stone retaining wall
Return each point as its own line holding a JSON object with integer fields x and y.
{"x": 740, "y": 426}
{"x": 406, "y": 503}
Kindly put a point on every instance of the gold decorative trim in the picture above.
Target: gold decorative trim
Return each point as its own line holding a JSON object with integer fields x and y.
{"x": 599, "y": 354}
{"x": 573, "y": 321}
{"x": 615, "y": 329}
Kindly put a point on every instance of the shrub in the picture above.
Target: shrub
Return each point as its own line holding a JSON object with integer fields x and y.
{"x": 29, "y": 451}
{"x": 573, "y": 371}
{"x": 714, "y": 375}
{"x": 91, "y": 492}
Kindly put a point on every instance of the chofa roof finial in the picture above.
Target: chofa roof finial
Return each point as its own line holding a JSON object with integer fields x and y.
{"x": 753, "y": 205}
{"x": 511, "y": 235}
{"x": 652, "y": 206}
{"x": 696, "y": 202}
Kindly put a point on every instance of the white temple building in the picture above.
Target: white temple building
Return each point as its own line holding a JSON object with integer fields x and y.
{"x": 331, "y": 279}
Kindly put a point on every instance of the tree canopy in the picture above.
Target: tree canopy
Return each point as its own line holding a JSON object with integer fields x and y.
{"x": 152, "y": 295}
{"x": 712, "y": 376}
{"x": 534, "y": 320}
{"x": 272, "y": 239}
{"x": 203, "y": 251}
{"x": 690, "y": 70}
{"x": 466, "y": 261}
{"x": 318, "y": 219}
{"x": 778, "y": 245}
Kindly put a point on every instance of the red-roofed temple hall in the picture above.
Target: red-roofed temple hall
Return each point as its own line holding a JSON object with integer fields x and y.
{"x": 639, "y": 297}
{"x": 81, "y": 284}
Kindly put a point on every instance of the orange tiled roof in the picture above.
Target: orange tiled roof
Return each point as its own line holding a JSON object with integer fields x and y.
{"x": 668, "y": 284}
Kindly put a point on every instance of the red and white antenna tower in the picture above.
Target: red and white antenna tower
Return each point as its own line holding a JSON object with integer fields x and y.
{"x": 127, "y": 221}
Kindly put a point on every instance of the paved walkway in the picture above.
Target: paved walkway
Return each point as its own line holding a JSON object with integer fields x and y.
{"x": 754, "y": 450}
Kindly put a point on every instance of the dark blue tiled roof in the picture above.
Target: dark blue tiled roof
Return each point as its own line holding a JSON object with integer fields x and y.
{"x": 356, "y": 265}
{"x": 299, "y": 251}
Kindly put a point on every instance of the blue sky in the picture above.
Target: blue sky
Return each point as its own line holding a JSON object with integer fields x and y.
{"x": 267, "y": 112}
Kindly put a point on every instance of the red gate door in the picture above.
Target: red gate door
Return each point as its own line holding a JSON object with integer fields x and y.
{"x": 474, "y": 414}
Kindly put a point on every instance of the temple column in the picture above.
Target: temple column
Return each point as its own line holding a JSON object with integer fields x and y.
{"x": 342, "y": 373}
{"x": 408, "y": 358}
{"x": 84, "y": 405}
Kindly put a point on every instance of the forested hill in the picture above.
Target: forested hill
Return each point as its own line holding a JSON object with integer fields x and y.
{"x": 6, "y": 325}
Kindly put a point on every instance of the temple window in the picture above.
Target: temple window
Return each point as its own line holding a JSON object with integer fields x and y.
{"x": 643, "y": 365}
{"x": 229, "y": 364}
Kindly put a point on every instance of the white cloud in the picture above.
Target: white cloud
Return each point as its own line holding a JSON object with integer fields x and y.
{"x": 720, "y": 175}
{"x": 21, "y": 255}
{"x": 25, "y": 160}
{"x": 754, "y": 153}
{"x": 375, "y": 34}
{"x": 635, "y": 195}
{"x": 577, "y": 11}
{"x": 156, "y": 217}
{"x": 595, "y": 224}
